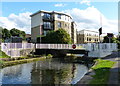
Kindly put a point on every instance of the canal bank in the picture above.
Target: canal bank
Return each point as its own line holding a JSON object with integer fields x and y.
{"x": 5, "y": 62}
{"x": 103, "y": 71}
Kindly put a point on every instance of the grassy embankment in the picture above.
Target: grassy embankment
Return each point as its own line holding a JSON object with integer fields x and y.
{"x": 3, "y": 55}
{"x": 14, "y": 61}
{"x": 102, "y": 71}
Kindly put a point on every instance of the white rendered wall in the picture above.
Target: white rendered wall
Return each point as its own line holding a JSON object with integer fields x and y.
{"x": 91, "y": 32}
{"x": 36, "y": 20}
{"x": 63, "y": 18}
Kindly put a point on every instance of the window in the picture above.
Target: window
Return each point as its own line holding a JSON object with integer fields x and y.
{"x": 59, "y": 16}
{"x": 65, "y": 17}
{"x": 45, "y": 32}
{"x": 59, "y": 24}
{"x": 89, "y": 39}
{"x": 68, "y": 18}
{"x": 65, "y": 25}
{"x": 47, "y": 25}
{"x": 47, "y": 16}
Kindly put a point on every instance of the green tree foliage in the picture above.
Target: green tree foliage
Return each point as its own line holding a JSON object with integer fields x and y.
{"x": 59, "y": 37}
{"x": 1, "y": 34}
{"x": 16, "y": 32}
{"x": 13, "y": 32}
{"x": 22, "y": 34}
{"x": 112, "y": 40}
{"x": 118, "y": 40}
{"x": 5, "y": 33}
{"x": 1, "y": 30}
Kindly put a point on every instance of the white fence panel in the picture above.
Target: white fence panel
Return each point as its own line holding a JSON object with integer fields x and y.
{"x": 101, "y": 49}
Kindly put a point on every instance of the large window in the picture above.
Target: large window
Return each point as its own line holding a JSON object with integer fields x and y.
{"x": 59, "y": 24}
{"x": 47, "y": 25}
{"x": 59, "y": 16}
{"x": 89, "y": 39}
{"x": 47, "y": 16}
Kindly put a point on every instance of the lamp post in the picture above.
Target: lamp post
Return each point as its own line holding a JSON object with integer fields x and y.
{"x": 100, "y": 32}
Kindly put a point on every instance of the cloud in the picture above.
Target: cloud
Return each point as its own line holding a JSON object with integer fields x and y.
{"x": 60, "y": 5}
{"x": 90, "y": 19}
{"x": 22, "y": 10}
{"x": 21, "y": 22}
{"x": 87, "y": 2}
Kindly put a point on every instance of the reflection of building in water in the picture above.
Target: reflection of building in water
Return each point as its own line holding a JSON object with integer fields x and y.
{"x": 51, "y": 73}
{"x": 19, "y": 74}
{"x": 13, "y": 71}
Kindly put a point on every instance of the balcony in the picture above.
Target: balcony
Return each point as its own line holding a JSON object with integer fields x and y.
{"x": 47, "y": 18}
{"x": 47, "y": 27}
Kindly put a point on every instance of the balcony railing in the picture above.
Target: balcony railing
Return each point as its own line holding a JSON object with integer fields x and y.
{"x": 50, "y": 28}
{"x": 48, "y": 18}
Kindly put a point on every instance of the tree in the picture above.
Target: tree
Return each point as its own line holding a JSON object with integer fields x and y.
{"x": 22, "y": 34}
{"x": 59, "y": 37}
{"x": 15, "y": 32}
{"x": 1, "y": 34}
{"x": 112, "y": 40}
{"x": 5, "y": 33}
{"x": 109, "y": 40}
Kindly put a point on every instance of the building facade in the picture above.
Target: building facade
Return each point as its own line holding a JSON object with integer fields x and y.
{"x": 44, "y": 21}
{"x": 88, "y": 36}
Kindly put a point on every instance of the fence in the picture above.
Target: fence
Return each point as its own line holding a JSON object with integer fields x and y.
{"x": 100, "y": 46}
{"x": 14, "y": 49}
{"x": 100, "y": 50}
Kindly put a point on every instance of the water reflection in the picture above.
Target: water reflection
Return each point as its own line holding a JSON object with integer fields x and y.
{"x": 50, "y": 71}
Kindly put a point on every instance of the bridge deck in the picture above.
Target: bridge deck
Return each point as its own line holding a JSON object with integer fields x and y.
{"x": 14, "y": 49}
{"x": 61, "y": 52}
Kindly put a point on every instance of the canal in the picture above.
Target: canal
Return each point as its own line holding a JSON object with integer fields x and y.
{"x": 48, "y": 71}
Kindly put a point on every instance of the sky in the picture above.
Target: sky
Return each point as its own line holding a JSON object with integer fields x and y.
{"x": 86, "y": 14}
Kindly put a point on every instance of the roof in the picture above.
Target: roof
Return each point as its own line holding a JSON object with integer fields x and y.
{"x": 88, "y": 30}
{"x": 51, "y": 12}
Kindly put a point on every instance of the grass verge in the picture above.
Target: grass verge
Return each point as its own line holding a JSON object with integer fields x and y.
{"x": 102, "y": 71}
{"x": 15, "y": 62}
{"x": 3, "y": 55}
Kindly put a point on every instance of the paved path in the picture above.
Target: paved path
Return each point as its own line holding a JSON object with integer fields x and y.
{"x": 114, "y": 78}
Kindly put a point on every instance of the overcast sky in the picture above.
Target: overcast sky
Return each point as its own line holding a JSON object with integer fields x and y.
{"x": 86, "y": 14}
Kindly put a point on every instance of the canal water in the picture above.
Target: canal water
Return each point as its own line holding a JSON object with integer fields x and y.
{"x": 48, "y": 71}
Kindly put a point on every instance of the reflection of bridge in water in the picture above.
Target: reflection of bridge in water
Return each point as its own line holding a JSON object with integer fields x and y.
{"x": 95, "y": 49}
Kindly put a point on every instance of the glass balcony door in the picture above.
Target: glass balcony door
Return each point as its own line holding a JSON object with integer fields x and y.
{"x": 48, "y": 25}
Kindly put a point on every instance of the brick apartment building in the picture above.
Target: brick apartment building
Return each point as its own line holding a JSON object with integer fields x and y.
{"x": 44, "y": 21}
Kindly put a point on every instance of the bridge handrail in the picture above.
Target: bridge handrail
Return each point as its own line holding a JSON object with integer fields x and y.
{"x": 88, "y": 46}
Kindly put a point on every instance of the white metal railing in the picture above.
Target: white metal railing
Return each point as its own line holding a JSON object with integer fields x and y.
{"x": 89, "y": 46}
{"x": 54, "y": 46}
{"x": 13, "y": 49}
